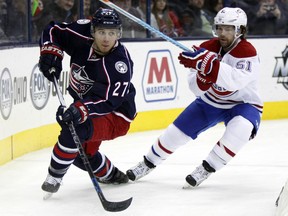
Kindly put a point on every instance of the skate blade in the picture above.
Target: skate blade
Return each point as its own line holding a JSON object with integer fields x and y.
{"x": 47, "y": 196}
{"x": 187, "y": 186}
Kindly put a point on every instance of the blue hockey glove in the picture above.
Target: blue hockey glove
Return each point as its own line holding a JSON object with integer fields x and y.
{"x": 76, "y": 113}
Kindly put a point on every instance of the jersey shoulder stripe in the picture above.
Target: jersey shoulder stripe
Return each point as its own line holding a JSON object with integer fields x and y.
{"x": 212, "y": 45}
{"x": 244, "y": 49}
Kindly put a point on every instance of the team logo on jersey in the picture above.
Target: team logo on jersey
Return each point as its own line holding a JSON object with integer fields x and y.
{"x": 121, "y": 67}
{"x": 79, "y": 80}
{"x": 281, "y": 69}
{"x": 222, "y": 92}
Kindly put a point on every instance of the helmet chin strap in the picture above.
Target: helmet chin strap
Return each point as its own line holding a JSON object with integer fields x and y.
{"x": 234, "y": 41}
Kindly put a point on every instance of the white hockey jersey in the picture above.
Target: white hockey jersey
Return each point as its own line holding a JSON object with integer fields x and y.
{"x": 237, "y": 80}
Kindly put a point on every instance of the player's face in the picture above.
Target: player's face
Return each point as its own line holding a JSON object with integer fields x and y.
{"x": 105, "y": 39}
{"x": 226, "y": 35}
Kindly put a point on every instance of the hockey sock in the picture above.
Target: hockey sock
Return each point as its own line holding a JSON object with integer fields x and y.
{"x": 237, "y": 134}
{"x": 61, "y": 159}
{"x": 167, "y": 143}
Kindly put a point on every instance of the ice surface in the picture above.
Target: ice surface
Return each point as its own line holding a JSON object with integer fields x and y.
{"x": 247, "y": 186}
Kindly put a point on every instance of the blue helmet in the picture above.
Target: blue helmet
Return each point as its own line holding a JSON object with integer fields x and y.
{"x": 106, "y": 18}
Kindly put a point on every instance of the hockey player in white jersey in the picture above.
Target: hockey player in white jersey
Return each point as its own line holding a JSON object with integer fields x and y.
{"x": 224, "y": 77}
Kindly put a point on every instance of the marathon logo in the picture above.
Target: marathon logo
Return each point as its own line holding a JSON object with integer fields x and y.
{"x": 159, "y": 77}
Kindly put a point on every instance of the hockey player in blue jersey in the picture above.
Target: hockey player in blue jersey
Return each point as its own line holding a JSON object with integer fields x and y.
{"x": 224, "y": 77}
{"x": 100, "y": 84}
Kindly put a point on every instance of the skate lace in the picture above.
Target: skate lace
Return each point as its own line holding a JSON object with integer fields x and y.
{"x": 141, "y": 169}
{"x": 52, "y": 180}
{"x": 200, "y": 174}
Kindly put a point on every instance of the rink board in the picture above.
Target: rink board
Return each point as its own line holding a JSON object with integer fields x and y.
{"x": 28, "y": 102}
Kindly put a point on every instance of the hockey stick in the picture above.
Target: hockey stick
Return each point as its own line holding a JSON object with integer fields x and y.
{"x": 107, "y": 205}
{"x": 144, "y": 24}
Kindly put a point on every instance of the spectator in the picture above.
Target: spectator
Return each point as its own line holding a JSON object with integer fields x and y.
{"x": 167, "y": 20}
{"x": 130, "y": 28}
{"x": 3, "y": 37}
{"x": 285, "y": 9}
{"x": 199, "y": 25}
{"x": 3, "y": 18}
{"x": 2, "y": 34}
{"x": 36, "y": 7}
{"x": 177, "y": 6}
{"x": 57, "y": 10}
{"x": 268, "y": 18}
{"x": 244, "y": 4}
{"x": 211, "y": 8}
{"x": 16, "y": 27}
{"x": 141, "y": 8}
{"x": 88, "y": 9}
{"x": 187, "y": 22}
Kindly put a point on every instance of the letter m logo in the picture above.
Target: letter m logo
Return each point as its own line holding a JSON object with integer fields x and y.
{"x": 157, "y": 72}
{"x": 159, "y": 78}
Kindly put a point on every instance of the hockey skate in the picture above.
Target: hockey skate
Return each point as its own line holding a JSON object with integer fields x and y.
{"x": 51, "y": 184}
{"x": 140, "y": 170}
{"x": 200, "y": 174}
{"x": 116, "y": 177}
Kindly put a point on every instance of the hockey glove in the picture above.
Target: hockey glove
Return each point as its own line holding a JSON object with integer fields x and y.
{"x": 50, "y": 61}
{"x": 205, "y": 62}
{"x": 76, "y": 113}
{"x": 202, "y": 82}
{"x": 59, "y": 114}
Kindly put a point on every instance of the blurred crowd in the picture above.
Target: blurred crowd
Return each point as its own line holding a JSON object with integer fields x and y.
{"x": 23, "y": 20}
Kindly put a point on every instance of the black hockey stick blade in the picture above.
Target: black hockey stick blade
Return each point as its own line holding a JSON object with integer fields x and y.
{"x": 116, "y": 206}
{"x": 108, "y": 205}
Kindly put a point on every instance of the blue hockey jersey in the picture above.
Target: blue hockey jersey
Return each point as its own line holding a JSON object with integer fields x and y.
{"x": 102, "y": 83}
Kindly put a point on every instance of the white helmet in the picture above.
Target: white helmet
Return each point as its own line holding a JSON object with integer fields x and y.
{"x": 230, "y": 16}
